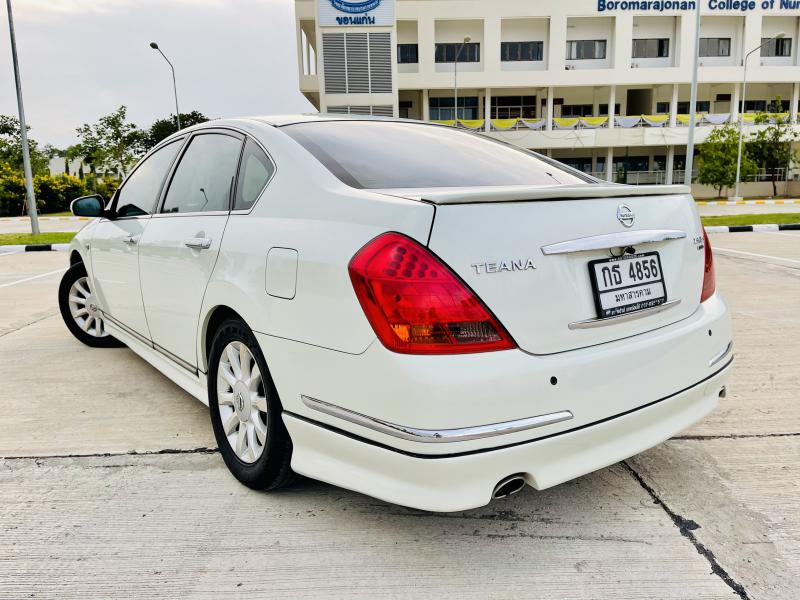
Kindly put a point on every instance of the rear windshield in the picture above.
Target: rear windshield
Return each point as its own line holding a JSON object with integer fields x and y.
{"x": 387, "y": 154}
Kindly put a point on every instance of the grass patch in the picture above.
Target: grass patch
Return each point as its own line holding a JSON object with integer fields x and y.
{"x": 57, "y": 237}
{"x": 760, "y": 219}
{"x": 63, "y": 213}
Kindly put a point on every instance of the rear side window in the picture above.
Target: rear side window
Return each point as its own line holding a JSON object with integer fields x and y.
{"x": 254, "y": 173}
{"x": 140, "y": 193}
{"x": 386, "y": 154}
{"x": 203, "y": 180}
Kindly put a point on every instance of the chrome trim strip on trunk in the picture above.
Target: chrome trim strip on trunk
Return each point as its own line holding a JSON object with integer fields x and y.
{"x": 613, "y": 240}
{"x": 435, "y": 435}
{"x": 721, "y": 356}
{"x": 590, "y": 323}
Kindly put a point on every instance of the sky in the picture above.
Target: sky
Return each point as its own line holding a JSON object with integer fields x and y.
{"x": 82, "y": 59}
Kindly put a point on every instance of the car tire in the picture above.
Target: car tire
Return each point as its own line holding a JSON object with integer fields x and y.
{"x": 246, "y": 411}
{"x": 78, "y": 307}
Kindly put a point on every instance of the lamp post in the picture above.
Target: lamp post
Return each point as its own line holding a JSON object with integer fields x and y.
{"x": 688, "y": 166}
{"x": 154, "y": 46}
{"x": 455, "y": 78}
{"x": 26, "y": 155}
{"x": 779, "y": 36}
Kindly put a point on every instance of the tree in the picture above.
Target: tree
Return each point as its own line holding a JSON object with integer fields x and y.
{"x": 163, "y": 128}
{"x": 11, "y": 147}
{"x": 771, "y": 147}
{"x": 716, "y": 164}
{"x": 112, "y": 143}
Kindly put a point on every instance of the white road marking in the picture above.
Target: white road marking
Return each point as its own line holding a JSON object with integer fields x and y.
{"x": 791, "y": 260}
{"x": 10, "y": 253}
{"x": 10, "y": 283}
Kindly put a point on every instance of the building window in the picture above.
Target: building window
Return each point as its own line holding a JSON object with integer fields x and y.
{"x": 441, "y": 109}
{"x": 469, "y": 52}
{"x": 765, "y": 106}
{"x": 603, "y": 110}
{"x": 586, "y": 49}
{"x": 651, "y": 48}
{"x": 407, "y": 53}
{"x": 715, "y": 47}
{"x": 403, "y": 107}
{"x": 576, "y": 110}
{"x": 513, "y": 107}
{"x": 518, "y": 51}
{"x": 773, "y": 47}
{"x": 703, "y": 106}
{"x": 582, "y": 163}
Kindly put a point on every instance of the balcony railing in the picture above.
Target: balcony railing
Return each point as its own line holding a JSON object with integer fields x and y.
{"x": 624, "y": 122}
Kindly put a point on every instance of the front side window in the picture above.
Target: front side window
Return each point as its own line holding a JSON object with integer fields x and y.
{"x": 379, "y": 155}
{"x": 203, "y": 180}
{"x": 254, "y": 173}
{"x": 407, "y": 53}
{"x": 521, "y": 51}
{"x": 651, "y": 48}
{"x": 711, "y": 47}
{"x": 139, "y": 194}
{"x": 586, "y": 49}
{"x": 776, "y": 47}
{"x": 468, "y": 52}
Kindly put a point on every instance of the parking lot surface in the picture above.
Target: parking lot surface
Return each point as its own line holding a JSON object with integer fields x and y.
{"x": 110, "y": 485}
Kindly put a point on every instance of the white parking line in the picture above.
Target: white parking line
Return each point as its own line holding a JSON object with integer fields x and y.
{"x": 723, "y": 250}
{"x": 10, "y": 283}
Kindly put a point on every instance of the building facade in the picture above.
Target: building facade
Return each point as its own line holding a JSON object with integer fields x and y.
{"x": 602, "y": 85}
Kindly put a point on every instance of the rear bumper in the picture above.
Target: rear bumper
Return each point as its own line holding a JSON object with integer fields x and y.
{"x": 466, "y": 480}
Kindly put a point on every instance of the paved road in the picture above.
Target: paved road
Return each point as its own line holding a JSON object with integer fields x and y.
{"x": 46, "y": 224}
{"x": 747, "y": 209}
{"x": 110, "y": 485}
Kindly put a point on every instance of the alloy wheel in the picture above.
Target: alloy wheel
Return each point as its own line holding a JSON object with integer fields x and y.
{"x": 84, "y": 309}
{"x": 242, "y": 402}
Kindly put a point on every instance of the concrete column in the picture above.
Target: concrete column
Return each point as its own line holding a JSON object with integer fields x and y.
{"x": 556, "y": 52}
{"x": 487, "y": 109}
{"x": 670, "y": 164}
{"x": 490, "y": 49}
{"x": 549, "y": 113}
{"x": 426, "y": 107}
{"x": 595, "y": 102}
{"x": 612, "y": 101}
{"x": 795, "y": 100}
{"x": 594, "y": 161}
{"x": 673, "y": 105}
{"x": 610, "y": 164}
{"x": 735, "y": 98}
{"x": 623, "y": 42}
{"x": 426, "y": 38}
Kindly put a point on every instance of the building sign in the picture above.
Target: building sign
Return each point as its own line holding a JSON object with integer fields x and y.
{"x": 711, "y": 5}
{"x": 337, "y": 13}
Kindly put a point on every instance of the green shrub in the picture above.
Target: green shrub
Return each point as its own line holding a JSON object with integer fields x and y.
{"x": 12, "y": 192}
{"x": 55, "y": 193}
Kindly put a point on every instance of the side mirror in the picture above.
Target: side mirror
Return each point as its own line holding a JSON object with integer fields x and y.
{"x": 88, "y": 206}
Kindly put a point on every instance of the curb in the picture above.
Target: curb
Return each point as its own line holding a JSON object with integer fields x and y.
{"x": 745, "y": 228}
{"x": 741, "y": 202}
{"x": 27, "y": 219}
{"x": 34, "y": 248}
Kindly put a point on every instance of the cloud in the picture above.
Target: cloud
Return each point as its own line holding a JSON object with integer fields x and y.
{"x": 81, "y": 59}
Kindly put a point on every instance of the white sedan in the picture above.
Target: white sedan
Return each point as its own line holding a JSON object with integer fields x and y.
{"x": 418, "y": 313}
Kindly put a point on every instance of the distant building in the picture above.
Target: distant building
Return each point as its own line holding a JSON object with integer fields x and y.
{"x": 550, "y": 74}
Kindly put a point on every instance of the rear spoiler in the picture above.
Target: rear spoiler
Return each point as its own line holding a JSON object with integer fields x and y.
{"x": 522, "y": 193}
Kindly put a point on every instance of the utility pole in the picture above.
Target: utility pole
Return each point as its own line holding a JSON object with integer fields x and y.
{"x": 687, "y": 177}
{"x": 26, "y": 155}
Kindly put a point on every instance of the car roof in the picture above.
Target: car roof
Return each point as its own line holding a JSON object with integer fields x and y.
{"x": 281, "y": 120}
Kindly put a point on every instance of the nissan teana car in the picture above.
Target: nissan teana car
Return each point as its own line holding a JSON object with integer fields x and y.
{"x": 412, "y": 311}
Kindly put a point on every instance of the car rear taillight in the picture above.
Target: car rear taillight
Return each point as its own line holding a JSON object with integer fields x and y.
{"x": 709, "y": 278}
{"x": 417, "y": 305}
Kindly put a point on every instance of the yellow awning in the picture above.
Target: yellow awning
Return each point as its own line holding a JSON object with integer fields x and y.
{"x": 449, "y": 123}
{"x": 472, "y": 123}
{"x": 595, "y": 121}
{"x": 569, "y": 122}
{"x": 504, "y": 123}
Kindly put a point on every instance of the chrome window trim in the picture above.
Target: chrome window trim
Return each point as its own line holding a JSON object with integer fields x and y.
{"x": 209, "y": 213}
{"x": 721, "y": 356}
{"x": 436, "y": 436}
{"x": 613, "y": 240}
{"x": 632, "y": 316}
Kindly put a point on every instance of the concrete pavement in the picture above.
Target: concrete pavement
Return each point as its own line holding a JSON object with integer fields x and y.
{"x": 109, "y": 488}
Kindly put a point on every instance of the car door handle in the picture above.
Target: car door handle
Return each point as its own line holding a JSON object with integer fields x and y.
{"x": 198, "y": 243}
{"x": 130, "y": 240}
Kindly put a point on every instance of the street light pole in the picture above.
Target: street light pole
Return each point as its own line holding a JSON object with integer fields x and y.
{"x": 455, "y": 78}
{"x": 779, "y": 36}
{"x": 154, "y": 46}
{"x": 688, "y": 166}
{"x": 26, "y": 155}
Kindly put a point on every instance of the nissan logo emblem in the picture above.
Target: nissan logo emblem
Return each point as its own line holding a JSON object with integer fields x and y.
{"x": 625, "y": 215}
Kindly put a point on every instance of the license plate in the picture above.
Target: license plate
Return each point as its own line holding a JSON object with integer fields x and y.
{"x": 627, "y": 283}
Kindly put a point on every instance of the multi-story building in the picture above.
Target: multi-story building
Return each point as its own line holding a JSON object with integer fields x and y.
{"x": 603, "y": 85}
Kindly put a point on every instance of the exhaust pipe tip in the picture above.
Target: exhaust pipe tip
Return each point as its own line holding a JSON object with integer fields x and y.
{"x": 508, "y": 486}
